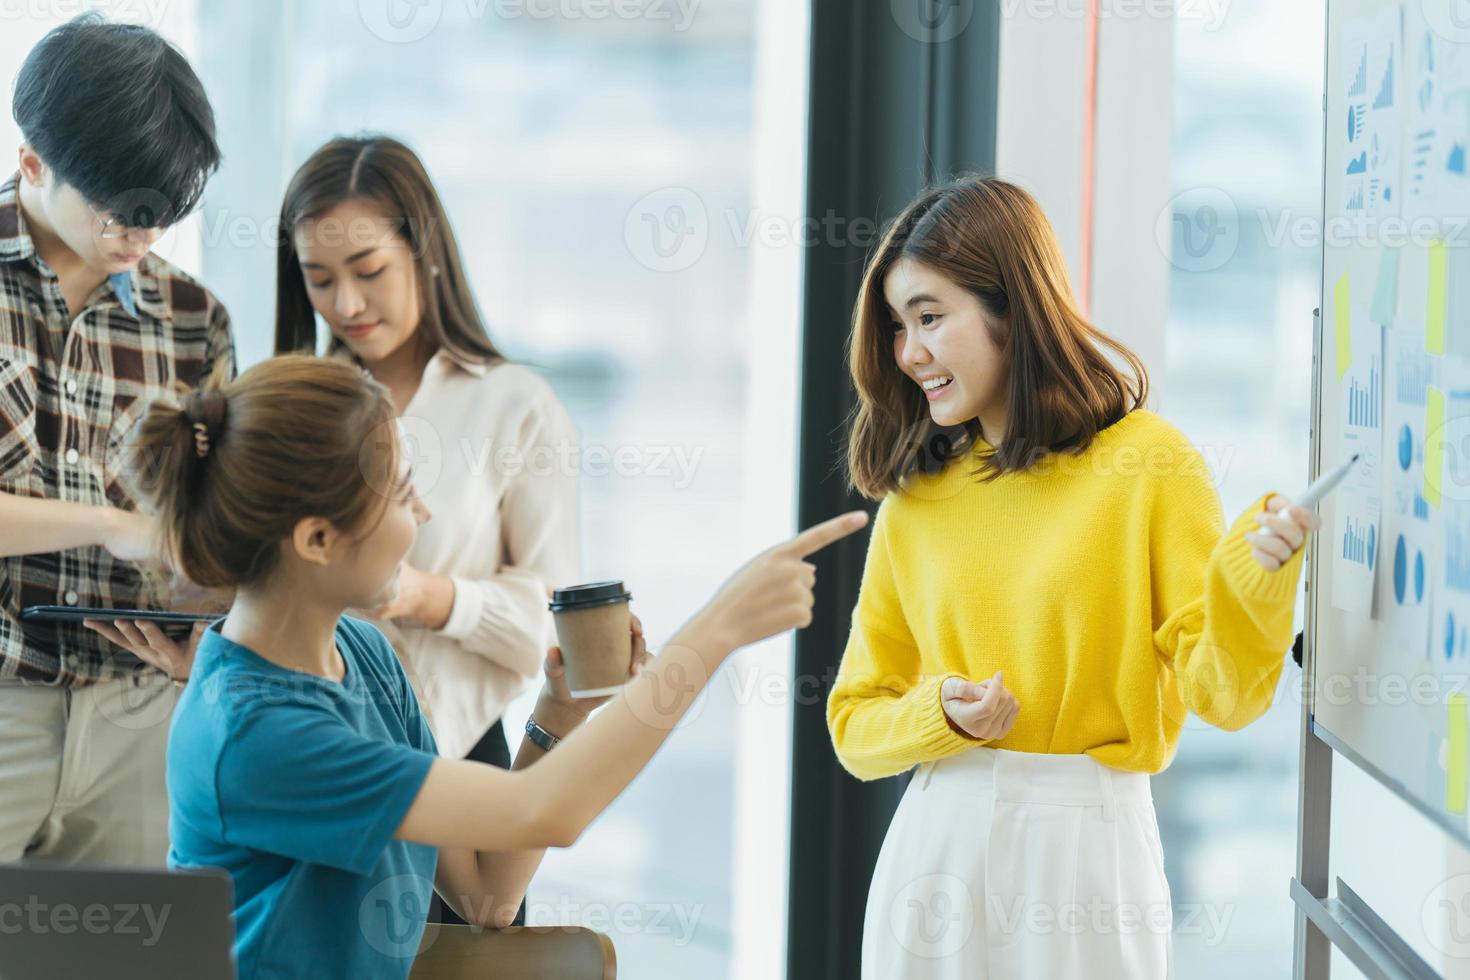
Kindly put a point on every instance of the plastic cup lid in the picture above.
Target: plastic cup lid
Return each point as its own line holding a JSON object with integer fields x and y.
{"x": 591, "y": 594}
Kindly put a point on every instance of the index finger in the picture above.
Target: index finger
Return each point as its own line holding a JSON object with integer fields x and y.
{"x": 107, "y": 630}
{"x": 151, "y": 630}
{"x": 1306, "y": 519}
{"x": 818, "y": 536}
{"x": 987, "y": 703}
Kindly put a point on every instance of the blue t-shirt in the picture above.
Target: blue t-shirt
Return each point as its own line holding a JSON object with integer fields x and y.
{"x": 295, "y": 785}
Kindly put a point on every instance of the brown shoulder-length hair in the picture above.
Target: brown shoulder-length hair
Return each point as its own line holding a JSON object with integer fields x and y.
{"x": 991, "y": 238}
{"x": 384, "y": 171}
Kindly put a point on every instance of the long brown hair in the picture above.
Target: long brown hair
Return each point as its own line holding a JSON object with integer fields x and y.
{"x": 384, "y": 171}
{"x": 230, "y": 468}
{"x": 991, "y": 238}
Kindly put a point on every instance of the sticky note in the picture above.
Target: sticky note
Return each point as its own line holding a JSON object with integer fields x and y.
{"x": 1342, "y": 320}
{"x": 1386, "y": 293}
{"x": 1438, "y": 298}
{"x": 1433, "y": 445}
{"x": 1454, "y": 783}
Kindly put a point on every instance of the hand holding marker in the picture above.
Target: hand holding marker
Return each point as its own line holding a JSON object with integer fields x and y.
{"x": 1283, "y": 531}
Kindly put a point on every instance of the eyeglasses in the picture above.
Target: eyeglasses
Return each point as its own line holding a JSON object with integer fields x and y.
{"x": 108, "y": 226}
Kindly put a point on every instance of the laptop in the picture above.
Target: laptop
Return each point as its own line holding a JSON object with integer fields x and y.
{"x": 81, "y": 923}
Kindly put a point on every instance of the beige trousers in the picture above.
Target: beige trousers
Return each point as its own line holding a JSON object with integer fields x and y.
{"x": 82, "y": 771}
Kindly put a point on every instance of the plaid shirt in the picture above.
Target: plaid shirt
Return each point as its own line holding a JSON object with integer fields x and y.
{"x": 71, "y": 389}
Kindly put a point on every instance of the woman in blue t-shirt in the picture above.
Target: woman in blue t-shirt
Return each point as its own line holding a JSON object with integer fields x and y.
{"x": 298, "y": 759}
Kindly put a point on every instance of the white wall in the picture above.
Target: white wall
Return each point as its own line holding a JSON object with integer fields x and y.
{"x": 1039, "y": 145}
{"x": 246, "y": 41}
{"x": 760, "y": 855}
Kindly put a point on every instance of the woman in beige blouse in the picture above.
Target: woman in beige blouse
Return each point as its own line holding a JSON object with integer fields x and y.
{"x": 365, "y": 245}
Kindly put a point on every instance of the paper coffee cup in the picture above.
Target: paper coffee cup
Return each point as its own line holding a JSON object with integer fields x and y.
{"x": 593, "y": 628}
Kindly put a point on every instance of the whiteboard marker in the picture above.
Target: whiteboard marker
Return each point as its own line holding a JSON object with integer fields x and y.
{"x": 1321, "y": 487}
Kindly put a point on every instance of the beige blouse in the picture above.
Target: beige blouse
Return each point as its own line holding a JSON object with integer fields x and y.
{"x": 495, "y": 458}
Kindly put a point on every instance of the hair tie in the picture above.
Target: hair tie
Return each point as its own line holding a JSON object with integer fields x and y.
{"x": 204, "y": 413}
{"x": 201, "y": 439}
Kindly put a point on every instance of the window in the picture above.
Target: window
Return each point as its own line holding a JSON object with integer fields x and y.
{"x": 622, "y": 189}
{"x": 1237, "y": 380}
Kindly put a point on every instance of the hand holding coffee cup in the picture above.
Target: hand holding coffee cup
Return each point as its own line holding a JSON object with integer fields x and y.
{"x": 557, "y": 695}
{"x": 593, "y": 623}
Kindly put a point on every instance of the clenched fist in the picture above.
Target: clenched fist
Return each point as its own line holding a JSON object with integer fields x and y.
{"x": 981, "y": 709}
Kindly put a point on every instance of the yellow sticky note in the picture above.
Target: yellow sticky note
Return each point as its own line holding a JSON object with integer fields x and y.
{"x": 1342, "y": 320}
{"x": 1433, "y": 444}
{"x": 1438, "y": 298}
{"x": 1454, "y": 783}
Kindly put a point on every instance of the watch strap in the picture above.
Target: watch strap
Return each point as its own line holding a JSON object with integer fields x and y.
{"x": 540, "y": 736}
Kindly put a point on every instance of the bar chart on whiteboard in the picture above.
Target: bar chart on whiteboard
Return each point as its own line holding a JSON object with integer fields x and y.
{"x": 1391, "y": 585}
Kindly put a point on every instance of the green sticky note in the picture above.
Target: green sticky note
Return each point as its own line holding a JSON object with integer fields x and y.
{"x": 1438, "y": 298}
{"x": 1342, "y": 321}
{"x": 1386, "y": 293}
{"x": 1454, "y": 783}
{"x": 1433, "y": 444}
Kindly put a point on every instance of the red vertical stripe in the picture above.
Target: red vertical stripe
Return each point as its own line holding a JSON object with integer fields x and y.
{"x": 1089, "y": 155}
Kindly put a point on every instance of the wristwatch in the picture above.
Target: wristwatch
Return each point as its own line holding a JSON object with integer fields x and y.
{"x": 540, "y": 736}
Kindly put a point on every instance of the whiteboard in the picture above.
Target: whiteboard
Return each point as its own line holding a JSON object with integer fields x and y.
{"x": 1389, "y": 577}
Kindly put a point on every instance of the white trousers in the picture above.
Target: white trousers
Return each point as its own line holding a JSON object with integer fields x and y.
{"x": 1005, "y": 865}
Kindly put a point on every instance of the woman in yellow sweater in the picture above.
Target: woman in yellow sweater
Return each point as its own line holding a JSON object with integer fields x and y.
{"x": 1049, "y": 588}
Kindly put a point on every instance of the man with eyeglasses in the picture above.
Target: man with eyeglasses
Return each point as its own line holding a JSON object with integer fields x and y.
{"x": 119, "y": 142}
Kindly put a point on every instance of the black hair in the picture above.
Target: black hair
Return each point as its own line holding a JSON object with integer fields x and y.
{"x": 115, "y": 111}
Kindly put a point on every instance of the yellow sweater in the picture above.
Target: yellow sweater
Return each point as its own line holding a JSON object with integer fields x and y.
{"x": 1103, "y": 584}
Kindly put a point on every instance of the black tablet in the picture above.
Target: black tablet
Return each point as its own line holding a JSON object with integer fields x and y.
{"x": 75, "y": 614}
